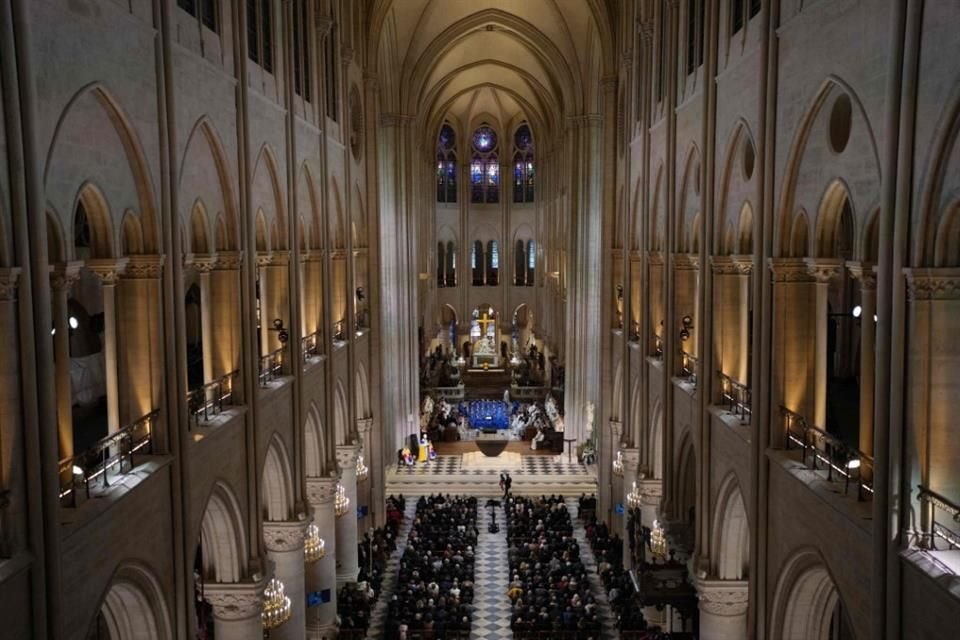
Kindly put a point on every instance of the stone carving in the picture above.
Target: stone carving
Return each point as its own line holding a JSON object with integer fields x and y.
{"x": 347, "y": 457}
{"x": 284, "y": 536}
{"x": 144, "y": 267}
{"x": 234, "y": 601}
{"x": 824, "y": 270}
{"x": 321, "y": 491}
{"x": 933, "y": 284}
{"x": 864, "y": 273}
{"x": 789, "y": 270}
{"x": 723, "y": 597}
{"x": 108, "y": 270}
{"x": 731, "y": 265}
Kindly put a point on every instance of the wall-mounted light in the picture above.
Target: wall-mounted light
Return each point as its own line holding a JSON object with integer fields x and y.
{"x": 857, "y": 311}
{"x": 282, "y": 334}
{"x": 74, "y": 323}
{"x": 686, "y": 323}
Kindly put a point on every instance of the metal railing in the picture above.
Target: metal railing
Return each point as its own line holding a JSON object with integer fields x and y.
{"x": 735, "y": 395}
{"x": 113, "y": 454}
{"x": 824, "y": 451}
{"x": 310, "y": 345}
{"x": 210, "y": 400}
{"x": 271, "y": 367}
{"x": 933, "y": 528}
{"x": 688, "y": 367}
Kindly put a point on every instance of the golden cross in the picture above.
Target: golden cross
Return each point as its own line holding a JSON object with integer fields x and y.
{"x": 483, "y": 321}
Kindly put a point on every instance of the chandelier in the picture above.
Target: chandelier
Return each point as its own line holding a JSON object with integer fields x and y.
{"x": 276, "y": 606}
{"x": 658, "y": 541}
{"x": 618, "y": 464}
{"x": 634, "y": 498}
{"x": 314, "y": 547}
{"x": 362, "y": 470}
{"x": 341, "y": 502}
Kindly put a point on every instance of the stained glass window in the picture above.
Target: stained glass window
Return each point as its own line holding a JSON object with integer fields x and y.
{"x": 484, "y": 167}
{"x": 523, "y": 169}
{"x": 447, "y": 165}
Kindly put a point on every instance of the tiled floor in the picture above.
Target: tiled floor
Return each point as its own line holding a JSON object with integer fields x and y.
{"x": 491, "y": 615}
{"x": 378, "y": 617}
{"x": 532, "y": 465}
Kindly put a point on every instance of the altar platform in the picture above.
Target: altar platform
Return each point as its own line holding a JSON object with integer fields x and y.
{"x": 537, "y": 475}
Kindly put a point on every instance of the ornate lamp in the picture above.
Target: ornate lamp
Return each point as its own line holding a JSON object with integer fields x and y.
{"x": 658, "y": 541}
{"x": 618, "y": 464}
{"x": 634, "y": 498}
{"x": 341, "y": 502}
{"x": 362, "y": 470}
{"x": 314, "y": 548}
{"x": 276, "y": 605}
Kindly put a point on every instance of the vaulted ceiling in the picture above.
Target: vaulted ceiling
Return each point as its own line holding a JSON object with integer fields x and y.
{"x": 539, "y": 60}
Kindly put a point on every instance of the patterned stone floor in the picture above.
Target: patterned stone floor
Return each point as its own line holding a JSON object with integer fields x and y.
{"x": 378, "y": 617}
{"x": 491, "y": 608}
{"x": 532, "y": 465}
{"x": 607, "y": 620}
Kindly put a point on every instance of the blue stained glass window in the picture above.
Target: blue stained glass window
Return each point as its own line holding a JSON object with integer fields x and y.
{"x": 494, "y": 255}
{"x": 484, "y": 139}
{"x": 493, "y": 171}
{"x": 531, "y": 256}
{"x": 476, "y": 172}
{"x": 446, "y": 165}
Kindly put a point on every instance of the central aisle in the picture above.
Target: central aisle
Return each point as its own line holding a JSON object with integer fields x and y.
{"x": 491, "y": 607}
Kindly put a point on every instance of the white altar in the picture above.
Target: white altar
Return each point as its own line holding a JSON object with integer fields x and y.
{"x": 485, "y": 353}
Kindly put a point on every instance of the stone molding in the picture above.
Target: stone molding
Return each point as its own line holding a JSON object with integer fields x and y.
{"x": 234, "y": 601}
{"x": 144, "y": 267}
{"x": 395, "y": 120}
{"x": 273, "y": 258}
{"x": 311, "y": 255}
{"x": 8, "y": 283}
{"x": 686, "y": 261}
{"x": 933, "y": 284}
{"x": 865, "y": 273}
{"x": 228, "y": 260}
{"x": 723, "y": 597}
{"x": 823, "y": 270}
{"x": 654, "y": 257}
{"x": 347, "y": 457}
{"x": 200, "y": 262}
{"x": 631, "y": 459}
{"x": 617, "y": 428}
{"x": 364, "y": 426}
{"x": 321, "y": 491}
{"x": 63, "y": 275}
{"x": 284, "y": 536}
{"x": 735, "y": 265}
{"x": 108, "y": 270}
{"x": 789, "y": 270}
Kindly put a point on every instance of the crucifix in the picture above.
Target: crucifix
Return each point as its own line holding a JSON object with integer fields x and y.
{"x": 483, "y": 321}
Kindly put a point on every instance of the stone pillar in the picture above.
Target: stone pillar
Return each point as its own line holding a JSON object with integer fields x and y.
{"x": 364, "y": 489}
{"x": 685, "y": 291}
{"x": 274, "y": 293}
{"x": 62, "y": 278}
{"x": 868, "y": 344}
{"x": 631, "y": 466}
{"x": 731, "y": 309}
{"x": 348, "y": 567}
{"x": 140, "y": 326}
{"x": 203, "y": 265}
{"x": 109, "y": 271}
{"x": 237, "y": 608}
{"x": 284, "y": 544}
{"x": 723, "y": 609}
{"x": 322, "y": 574}
{"x": 823, "y": 271}
{"x": 651, "y": 495}
{"x": 227, "y": 339}
{"x": 609, "y": 498}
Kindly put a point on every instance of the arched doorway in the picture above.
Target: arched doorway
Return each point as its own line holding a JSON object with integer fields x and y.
{"x": 133, "y": 608}
{"x": 807, "y": 603}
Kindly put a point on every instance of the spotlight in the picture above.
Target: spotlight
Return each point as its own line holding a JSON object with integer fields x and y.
{"x": 74, "y": 323}
{"x": 854, "y": 464}
{"x": 874, "y": 317}
{"x": 53, "y": 331}
{"x": 77, "y": 471}
{"x": 857, "y": 311}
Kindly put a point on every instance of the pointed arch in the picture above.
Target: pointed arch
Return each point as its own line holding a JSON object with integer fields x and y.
{"x": 689, "y": 203}
{"x": 277, "y": 482}
{"x": 199, "y": 224}
{"x": 655, "y": 440}
{"x": 745, "y": 230}
{"x": 341, "y": 415}
{"x": 686, "y": 479}
{"x": 655, "y": 240}
{"x": 947, "y": 249}
{"x": 204, "y": 150}
{"x": 315, "y": 445}
{"x": 131, "y": 235}
{"x": 740, "y": 143}
{"x": 339, "y": 224}
{"x": 835, "y": 214}
{"x": 731, "y": 532}
{"x": 134, "y": 607}
{"x": 308, "y": 207}
{"x": 799, "y": 244}
{"x": 266, "y": 193}
{"x": 362, "y": 392}
{"x": 263, "y": 235}
{"x": 56, "y": 248}
{"x": 805, "y": 599}
{"x": 223, "y": 536}
{"x": 92, "y": 212}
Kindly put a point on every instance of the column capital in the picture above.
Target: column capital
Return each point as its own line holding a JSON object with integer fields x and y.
{"x": 347, "y": 456}
{"x": 617, "y": 428}
{"x": 321, "y": 491}
{"x": 228, "y": 260}
{"x": 284, "y": 536}
{"x": 686, "y": 261}
{"x": 234, "y": 601}
{"x": 723, "y": 597}
{"x": 864, "y": 272}
{"x": 824, "y": 270}
{"x": 654, "y": 257}
{"x": 8, "y": 283}
{"x": 200, "y": 262}
{"x": 933, "y": 284}
{"x": 364, "y": 426}
{"x": 311, "y": 255}
{"x": 108, "y": 270}
{"x": 144, "y": 267}
{"x": 789, "y": 270}
{"x": 273, "y": 258}
{"x": 64, "y": 274}
{"x": 731, "y": 265}
{"x": 631, "y": 459}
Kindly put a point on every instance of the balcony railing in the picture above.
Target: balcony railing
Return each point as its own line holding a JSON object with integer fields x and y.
{"x": 91, "y": 470}
{"x": 826, "y": 452}
{"x": 271, "y": 367}
{"x": 688, "y": 367}
{"x": 946, "y": 529}
{"x": 310, "y": 345}
{"x": 735, "y": 395}
{"x": 211, "y": 399}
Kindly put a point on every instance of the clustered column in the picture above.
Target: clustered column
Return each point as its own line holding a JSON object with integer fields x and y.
{"x": 237, "y": 609}
{"x": 723, "y": 609}
{"x": 62, "y": 278}
{"x": 284, "y": 543}
{"x": 348, "y": 566}
{"x": 322, "y": 574}
{"x": 109, "y": 271}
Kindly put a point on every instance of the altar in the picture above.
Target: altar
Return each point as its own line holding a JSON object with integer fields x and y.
{"x": 485, "y": 353}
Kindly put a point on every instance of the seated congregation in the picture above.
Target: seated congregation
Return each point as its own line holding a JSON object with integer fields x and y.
{"x": 434, "y": 590}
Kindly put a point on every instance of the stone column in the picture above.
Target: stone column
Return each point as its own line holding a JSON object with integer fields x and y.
{"x": 364, "y": 492}
{"x": 348, "y": 567}
{"x": 140, "y": 326}
{"x": 109, "y": 271}
{"x": 203, "y": 265}
{"x": 868, "y": 344}
{"x": 723, "y": 609}
{"x": 322, "y": 574}
{"x": 236, "y": 609}
{"x": 274, "y": 294}
{"x": 62, "y": 277}
{"x": 631, "y": 467}
{"x": 284, "y": 544}
{"x": 823, "y": 271}
{"x": 651, "y": 494}
{"x": 615, "y": 493}
{"x": 227, "y": 339}
{"x": 731, "y": 293}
